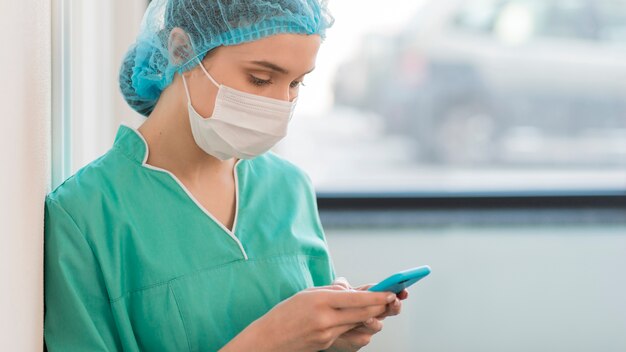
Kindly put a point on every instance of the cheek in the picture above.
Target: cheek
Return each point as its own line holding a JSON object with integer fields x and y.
{"x": 203, "y": 99}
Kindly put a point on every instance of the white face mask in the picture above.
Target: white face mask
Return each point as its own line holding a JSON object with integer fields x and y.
{"x": 243, "y": 125}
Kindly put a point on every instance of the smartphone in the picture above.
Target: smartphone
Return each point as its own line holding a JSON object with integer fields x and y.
{"x": 401, "y": 280}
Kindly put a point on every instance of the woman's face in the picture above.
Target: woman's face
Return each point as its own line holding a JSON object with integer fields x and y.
{"x": 272, "y": 67}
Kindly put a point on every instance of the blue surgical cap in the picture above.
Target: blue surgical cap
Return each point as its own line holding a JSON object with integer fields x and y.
{"x": 148, "y": 67}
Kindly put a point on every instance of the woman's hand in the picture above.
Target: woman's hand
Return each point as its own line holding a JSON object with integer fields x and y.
{"x": 312, "y": 320}
{"x": 360, "y": 336}
{"x": 394, "y": 307}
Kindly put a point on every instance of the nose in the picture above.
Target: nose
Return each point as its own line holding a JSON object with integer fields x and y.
{"x": 282, "y": 93}
{"x": 290, "y": 96}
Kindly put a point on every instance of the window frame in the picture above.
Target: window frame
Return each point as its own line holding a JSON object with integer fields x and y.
{"x": 414, "y": 210}
{"x": 61, "y": 144}
{"x": 465, "y": 200}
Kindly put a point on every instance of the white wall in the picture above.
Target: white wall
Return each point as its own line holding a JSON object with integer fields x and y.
{"x": 496, "y": 288}
{"x": 98, "y": 33}
{"x": 24, "y": 175}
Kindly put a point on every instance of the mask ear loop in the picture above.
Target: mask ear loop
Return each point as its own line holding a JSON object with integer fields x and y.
{"x": 207, "y": 73}
{"x": 186, "y": 89}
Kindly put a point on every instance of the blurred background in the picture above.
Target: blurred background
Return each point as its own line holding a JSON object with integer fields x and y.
{"x": 473, "y": 95}
{"x": 486, "y": 138}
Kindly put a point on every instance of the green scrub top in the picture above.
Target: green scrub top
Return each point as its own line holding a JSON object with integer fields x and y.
{"x": 133, "y": 262}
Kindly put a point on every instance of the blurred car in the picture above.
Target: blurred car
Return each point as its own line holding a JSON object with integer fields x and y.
{"x": 480, "y": 80}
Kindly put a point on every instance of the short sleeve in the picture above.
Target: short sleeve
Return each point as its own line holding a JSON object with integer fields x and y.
{"x": 78, "y": 314}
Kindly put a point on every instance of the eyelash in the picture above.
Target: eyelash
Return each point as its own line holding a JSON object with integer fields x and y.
{"x": 261, "y": 82}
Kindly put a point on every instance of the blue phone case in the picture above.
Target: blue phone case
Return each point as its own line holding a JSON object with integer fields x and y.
{"x": 401, "y": 280}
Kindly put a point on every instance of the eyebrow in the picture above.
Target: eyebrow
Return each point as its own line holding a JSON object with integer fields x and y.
{"x": 275, "y": 67}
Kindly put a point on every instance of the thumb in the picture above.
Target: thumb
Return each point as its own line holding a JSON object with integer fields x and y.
{"x": 364, "y": 287}
{"x": 342, "y": 281}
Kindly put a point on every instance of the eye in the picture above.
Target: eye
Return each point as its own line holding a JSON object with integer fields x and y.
{"x": 259, "y": 82}
{"x": 295, "y": 84}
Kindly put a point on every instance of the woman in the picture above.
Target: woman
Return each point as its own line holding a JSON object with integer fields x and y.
{"x": 188, "y": 234}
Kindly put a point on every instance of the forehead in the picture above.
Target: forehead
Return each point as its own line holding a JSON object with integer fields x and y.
{"x": 292, "y": 51}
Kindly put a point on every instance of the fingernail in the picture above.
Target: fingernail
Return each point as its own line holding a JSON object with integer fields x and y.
{"x": 369, "y": 321}
{"x": 391, "y": 298}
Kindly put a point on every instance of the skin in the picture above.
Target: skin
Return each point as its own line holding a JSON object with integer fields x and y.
{"x": 361, "y": 335}
{"x": 336, "y": 317}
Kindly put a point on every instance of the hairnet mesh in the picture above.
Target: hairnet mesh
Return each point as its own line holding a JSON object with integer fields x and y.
{"x": 148, "y": 67}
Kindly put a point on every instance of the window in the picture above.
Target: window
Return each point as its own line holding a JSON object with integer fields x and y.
{"x": 478, "y": 16}
{"x": 412, "y": 101}
{"x": 612, "y": 20}
{"x": 568, "y": 19}
{"x": 89, "y": 41}
{"x": 396, "y": 107}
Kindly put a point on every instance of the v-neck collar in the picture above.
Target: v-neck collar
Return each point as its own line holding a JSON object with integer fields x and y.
{"x": 131, "y": 143}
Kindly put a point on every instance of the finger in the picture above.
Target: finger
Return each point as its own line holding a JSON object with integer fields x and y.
{"x": 404, "y": 294}
{"x": 359, "y": 336}
{"x": 343, "y": 282}
{"x": 354, "y": 299}
{"x": 357, "y": 315}
{"x": 354, "y": 339}
{"x": 364, "y": 287}
{"x": 392, "y": 309}
{"x": 371, "y": 326}
{"x": 339, "y": 330}
{"x": 337, "y": 287}
{"x": 333, "y": 287}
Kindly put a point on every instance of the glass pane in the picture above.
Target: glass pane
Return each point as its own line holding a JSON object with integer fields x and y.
{"x": 90, "y": 40}
{"x": 612, "y": 20}
{"x": 568, "y": 19}
{"x": 418, "y": 98}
